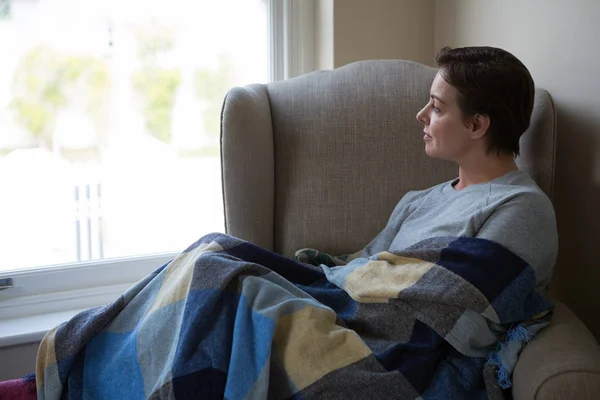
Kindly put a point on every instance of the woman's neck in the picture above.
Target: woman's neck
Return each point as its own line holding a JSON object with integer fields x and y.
{"x": 490, "y": 167}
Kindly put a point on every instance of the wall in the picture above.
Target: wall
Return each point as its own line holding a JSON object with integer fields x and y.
{"x": 324, "y": 35}
{"x": 557, "y": 40}
{"x": 382, "y": 29}
{"x": 17, "y": 361}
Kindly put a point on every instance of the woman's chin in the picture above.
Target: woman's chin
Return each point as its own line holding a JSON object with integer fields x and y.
{"x": 430, "y": 151}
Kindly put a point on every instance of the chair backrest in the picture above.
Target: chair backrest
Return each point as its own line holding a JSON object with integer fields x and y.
{"x": 326, "y": 160}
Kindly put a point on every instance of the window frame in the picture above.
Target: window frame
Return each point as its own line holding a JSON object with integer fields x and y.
{"x": 291, "y": 38}
{"x": 61, "y": 289}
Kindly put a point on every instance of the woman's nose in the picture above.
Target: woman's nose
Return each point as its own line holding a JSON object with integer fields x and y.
{"x": 421, "y": 115}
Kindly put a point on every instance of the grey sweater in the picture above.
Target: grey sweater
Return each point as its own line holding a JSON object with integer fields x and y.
{"x": 511, "y": 210}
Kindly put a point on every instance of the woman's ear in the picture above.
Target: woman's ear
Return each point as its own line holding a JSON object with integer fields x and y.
{"x": 479, "y": 125}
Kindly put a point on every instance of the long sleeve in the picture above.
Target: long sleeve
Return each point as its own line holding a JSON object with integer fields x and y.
{"x": 384, "y": 239}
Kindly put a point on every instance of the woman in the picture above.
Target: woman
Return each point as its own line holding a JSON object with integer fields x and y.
{"x": 480, "y": 104}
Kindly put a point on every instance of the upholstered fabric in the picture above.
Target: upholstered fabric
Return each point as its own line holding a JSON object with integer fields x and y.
{"x": 247, "y": 164}
{"x": 570, "y": 385}
{"x": 538, "y": 144}
{"x": 344, "y": 140}
{"x": 562, "y": 362}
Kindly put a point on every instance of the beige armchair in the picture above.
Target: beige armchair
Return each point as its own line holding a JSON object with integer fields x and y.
{"x": 303, "y": 159}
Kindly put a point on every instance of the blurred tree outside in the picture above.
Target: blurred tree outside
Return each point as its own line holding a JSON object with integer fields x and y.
{"x": 4, "y": 9}
{"x": 45, "y": 82}
{"x": 156, "y": 85}
{"x": 211, "y": 86}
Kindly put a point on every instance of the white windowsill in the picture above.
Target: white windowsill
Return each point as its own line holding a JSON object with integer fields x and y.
{"x": 41, "y": 301}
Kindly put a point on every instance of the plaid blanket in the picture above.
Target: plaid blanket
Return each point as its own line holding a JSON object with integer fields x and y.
{"x": 228, "y": 319}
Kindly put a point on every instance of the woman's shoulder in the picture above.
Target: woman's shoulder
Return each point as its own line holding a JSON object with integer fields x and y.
{"x": 519, "y": 187}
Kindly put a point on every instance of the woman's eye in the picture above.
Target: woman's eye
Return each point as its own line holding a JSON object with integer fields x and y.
{"x": 435, "y": 109}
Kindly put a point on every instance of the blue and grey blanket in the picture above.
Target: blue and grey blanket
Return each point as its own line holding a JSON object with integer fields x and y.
{"x": 227, "y": 319}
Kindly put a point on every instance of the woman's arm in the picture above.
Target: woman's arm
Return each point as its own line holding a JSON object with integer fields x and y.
{"x": 384, "y": 239}
{"x": 526, "y": 225}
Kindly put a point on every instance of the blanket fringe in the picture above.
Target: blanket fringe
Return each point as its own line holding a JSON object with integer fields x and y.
{"x": 518, "y": 336}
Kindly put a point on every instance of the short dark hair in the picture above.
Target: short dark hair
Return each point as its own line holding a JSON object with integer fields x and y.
{"x": 491, "y": 82}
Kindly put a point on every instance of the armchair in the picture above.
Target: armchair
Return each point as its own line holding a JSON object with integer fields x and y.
{"x": 303, "y": 158}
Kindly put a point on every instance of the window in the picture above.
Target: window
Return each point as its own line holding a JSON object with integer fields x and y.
{"x": 111, "y": 123}
{"x": 109, "y": 133}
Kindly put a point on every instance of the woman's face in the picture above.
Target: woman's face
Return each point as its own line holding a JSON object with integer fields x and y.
{"x": 446, "y": 135}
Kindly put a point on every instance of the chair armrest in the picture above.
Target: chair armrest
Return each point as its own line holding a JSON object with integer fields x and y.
{"x": 561, "y": 362}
